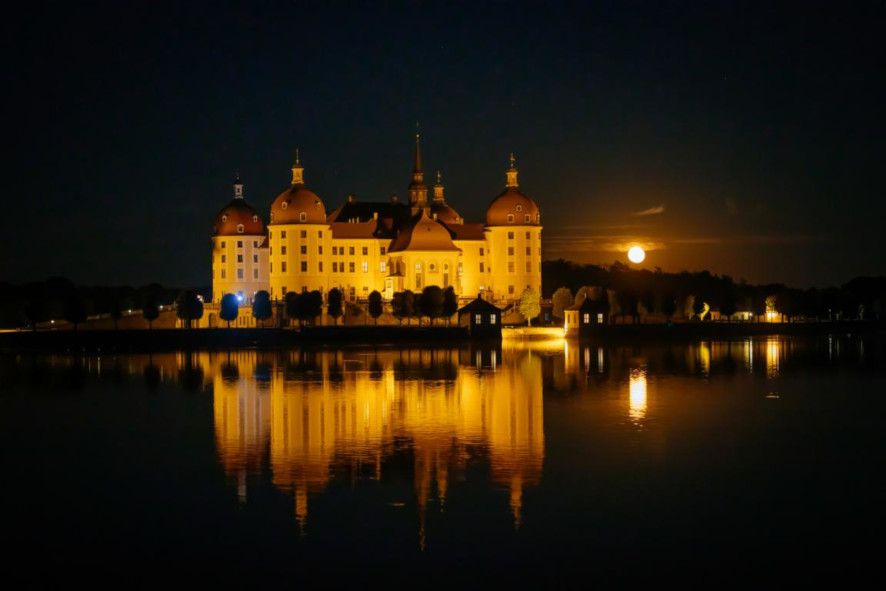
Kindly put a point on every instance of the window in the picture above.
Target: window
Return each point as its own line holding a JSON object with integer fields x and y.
{"x": 492, "y": 318}
{"x": 365, "y": 267}
{"x": 223, "y": 273}
{"x": 519, "y": 207}
{"x": 270, "y": 250}
{"x": 320, "y": 249}
{"x": 319, "y": 233}
{"x": 478, "y": 319}
{"x": 224, "y": 257}
{"x": 222, "y": 243}
{"x": 334, "y": 267}
{"x": 511, "y": 267}
{"x": 302, "y": 216}
{"x": 432, "y": 267}
{"x": 586, "y": 318}
{"x": 284, "y": 205}
{"x": 510, "y": 251}
{"x": 283, "y": 234}
{"x": 283, "y": 267}
{"x": 382, "y": 249}
{"x": 239, "y": 258}
{"x": 270, "y": 267}
{"x": 365, "y": 250}
{"x": 255, "y": 273}
{"x": 239, "y": 273}
{"x": 600, "y": 318}
{"x": 239, "y": 244}
{"x": 528, "y": 235}
{"x": 511, "y": 289}
{"x": 304, "y": 249}
{"x": 255, "y": 258}
{"x": 304, "y": 233}
{"x": 383, "y": 267}
{"x": 528, "y": 267}
{"x": 481, "y": 251}
{"x": 481, "y": 267}
{"x": 351, "y": 250}
{"x": 351, "y": 267}
{"x": 418, "y": 266}
{"x": 334, "y": 250}
{"x": 255, "y": 244}
{"x": 528, "y": 251}
{"x": 320, "y": 266}
{"x": 255, "y": 218}
{"x": 510, "y": 218}
{"x": 304, "y": 266}
{"x": 510, "y": 235}
{"x": 283, "y": 249}
{"x": 284, "y": 290}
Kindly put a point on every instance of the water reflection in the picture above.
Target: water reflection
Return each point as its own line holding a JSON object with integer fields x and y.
{"x": 637, "y": 394}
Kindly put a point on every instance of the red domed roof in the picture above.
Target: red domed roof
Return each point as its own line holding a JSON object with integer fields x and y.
{"x": 445, "y": 213}
{"x": 236, "y": 218}
{"x": 298, "y": 205}
{"x": 423, "y": 233}
{"x": 511, "y": 208}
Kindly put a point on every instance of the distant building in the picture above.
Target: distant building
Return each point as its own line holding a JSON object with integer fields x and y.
{"x": 388, "y": 246}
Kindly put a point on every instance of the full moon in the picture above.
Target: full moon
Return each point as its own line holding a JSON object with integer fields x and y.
{"x": 636, "y": 254}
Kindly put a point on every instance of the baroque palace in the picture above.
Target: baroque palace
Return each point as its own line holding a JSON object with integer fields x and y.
{"x": 388, "y": 246}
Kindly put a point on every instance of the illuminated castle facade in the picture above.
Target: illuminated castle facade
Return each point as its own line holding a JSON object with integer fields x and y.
{"x": 388, "y": 246}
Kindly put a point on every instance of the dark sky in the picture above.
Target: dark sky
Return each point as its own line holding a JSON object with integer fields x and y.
{"x": 751, "y": 136}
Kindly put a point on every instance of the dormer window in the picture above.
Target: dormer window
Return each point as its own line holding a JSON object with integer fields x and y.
{"x": 284, "y": 205}
{"x": 224, "y": 218}
{"x": 519, "y": 208}
{"x": 302, "y": 217}
{"x": 510, "y": 218}
{"x": 527, "y": 218}
{"x": 255, "y": 218}
{"x": 240, "y": 228}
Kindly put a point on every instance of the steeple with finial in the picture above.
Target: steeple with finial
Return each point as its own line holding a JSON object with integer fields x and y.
{"x": 512, "y": 173}
{"x": 418, "y": 192}
{"x": 438, "y": 189}
{"x": 238, "y": 186}
{"x": 298, "y": 171}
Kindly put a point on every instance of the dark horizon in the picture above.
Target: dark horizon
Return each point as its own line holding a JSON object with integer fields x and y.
{"x": 741, "y": 138}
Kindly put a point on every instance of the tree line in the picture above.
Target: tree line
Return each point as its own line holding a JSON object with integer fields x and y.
{"x": 631, "y": 293}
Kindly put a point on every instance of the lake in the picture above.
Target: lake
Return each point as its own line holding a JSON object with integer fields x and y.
{"x": 531, "y": 464}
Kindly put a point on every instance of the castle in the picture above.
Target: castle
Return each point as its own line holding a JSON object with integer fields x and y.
{"x": 388, "y": 246}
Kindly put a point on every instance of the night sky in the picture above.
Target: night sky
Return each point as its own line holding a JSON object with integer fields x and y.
{"x": 741, "y": 138}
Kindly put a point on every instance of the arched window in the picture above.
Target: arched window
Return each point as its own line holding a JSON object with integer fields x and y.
{"x": 240, "y": 228}
{"x": 519, "y": 208}
{"x": 527, "y": 217}
{"x": 302, "y": 217}
{"x": 284, "y": 205}
{"x": 255, "y": 218}
{"x": 224, "y": 218}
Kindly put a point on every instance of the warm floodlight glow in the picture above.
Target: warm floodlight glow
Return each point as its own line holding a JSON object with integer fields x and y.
{"x": 637, "y": 393}
{"x": 636, "y": 254}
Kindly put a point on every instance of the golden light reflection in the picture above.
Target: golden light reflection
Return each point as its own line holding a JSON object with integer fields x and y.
{"x": 637, "y": 393}
{"x": 334, "y": 410}
{"x": 773, "y": 354}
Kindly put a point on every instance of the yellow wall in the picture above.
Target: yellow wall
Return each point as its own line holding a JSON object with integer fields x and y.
{"x": 513, "y": 270}
{"x": 225, "y": 265}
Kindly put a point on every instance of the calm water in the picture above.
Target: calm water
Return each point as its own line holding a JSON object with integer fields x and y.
{"x": 716, "y": 461}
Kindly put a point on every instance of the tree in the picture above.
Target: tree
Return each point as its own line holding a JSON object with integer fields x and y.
{"x": 647, "y": 299}
{"x": 561, "y": 300}
{"x": 292, "y": 306}
{"x": 529, "y": 305}
{"x": 115, "y": 308}
{"x": 409, "y": 305}
{"x": 35, "y": 310}
{"x": 728, "y": 304}
{"x": 669, "y": 306}
{"x": 188, "y": 307}
{"x": 261, "y": 306}
{"x": 229, "y": 308}
{"x": 310, "y": 306}
{"x": 698, "y": 306}
{"x": 74, "y": 308}
{"x": 431, "y": 302}
{"x": 397, "y": 307}
{"x": 375, "y": 305}
{"x": 450, "y": 304}
{"x": 334, "y": 304}
{"x": 150, "y": 309}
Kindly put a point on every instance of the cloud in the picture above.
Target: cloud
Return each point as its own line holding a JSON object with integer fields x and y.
{"x": 651, "y": 211}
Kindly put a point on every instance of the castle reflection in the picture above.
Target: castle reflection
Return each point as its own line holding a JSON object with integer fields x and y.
{"x": 325, "y": 410}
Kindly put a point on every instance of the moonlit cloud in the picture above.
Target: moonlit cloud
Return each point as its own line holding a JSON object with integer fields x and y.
{"x": 651, "y": 211}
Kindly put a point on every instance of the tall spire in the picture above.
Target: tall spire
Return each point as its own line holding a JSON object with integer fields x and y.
{"x": 418, "y": 192}
{"x": 512, "y": 173}
{"x": 438, "y": 189}
{"x": 238, "y": 186}
{"x": 298, "y": 171}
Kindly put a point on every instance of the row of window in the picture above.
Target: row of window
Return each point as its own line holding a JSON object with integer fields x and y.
{"x": 240, "y": 244}
{"x": 336, "y": 267}
{"x": 511, "y": 251}
{"x": 224, "y": 274}
{"x": 526, "y": 218}
{"x": 224, "y": 258}
{"x": 511, "y": 236}
{"x": 303, "y": 234}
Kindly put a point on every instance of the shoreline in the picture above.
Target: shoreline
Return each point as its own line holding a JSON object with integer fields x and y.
{"x": 165, "y": 339}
